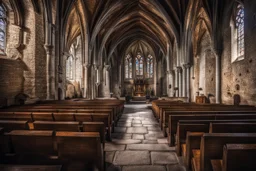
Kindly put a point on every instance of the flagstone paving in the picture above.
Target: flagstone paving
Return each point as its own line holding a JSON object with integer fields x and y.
{"x": 139, "y": 145}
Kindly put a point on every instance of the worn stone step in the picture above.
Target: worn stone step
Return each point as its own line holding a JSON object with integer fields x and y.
{"x": 164, "y": 158}
{"x": 125, "y": 141}
{"x": 150, "y": 147}
{"x": 144, "y": 168}
{"x": 132, "y": 158}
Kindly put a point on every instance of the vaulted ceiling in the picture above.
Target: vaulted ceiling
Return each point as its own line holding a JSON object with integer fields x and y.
{"x": 114, "y": 25}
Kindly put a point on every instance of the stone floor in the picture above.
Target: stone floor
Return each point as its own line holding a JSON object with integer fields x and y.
{"x": 138, "y": 143}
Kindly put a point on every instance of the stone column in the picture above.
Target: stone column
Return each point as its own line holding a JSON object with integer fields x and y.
{"x": 167, "y": 83}
{"x": 85, "y": 80}
{"x": 188, "y": 90}
{"x": 180, "y": 81}
{"x": 97, "y": 80}
{"x": 64, "y": 76}
{"x": 218, "y": 79}
{"x": 50, "y": 72}
{"x": 88, "y": 81}
{"x": 184, "y": 81}
{"x": 176, "y": 88}
{"x": 107, "y": 86}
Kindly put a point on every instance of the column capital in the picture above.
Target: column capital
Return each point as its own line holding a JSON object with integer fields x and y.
{"x": 48, "y": 49}
{"x": 179, "y": 69}
{"x": 66, "y": 55}
{"x": 87, "y": 66}
{"x": 108, "y": 67}
{"x": 187, "y": 66}
{"x": 96, "y": 67}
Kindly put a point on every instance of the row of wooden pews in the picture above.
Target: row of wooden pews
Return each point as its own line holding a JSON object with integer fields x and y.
{"x": 210, "y": 137}
{"x": 69, "y": 135}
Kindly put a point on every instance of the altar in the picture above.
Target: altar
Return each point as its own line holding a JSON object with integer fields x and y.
{"x": 139, "y": 88}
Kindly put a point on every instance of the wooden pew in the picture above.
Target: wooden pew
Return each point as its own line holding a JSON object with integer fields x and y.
{"x": 95, "y": 127}
{"x": 10, "y": 125}
{"x": 20, "y": 116}
{"x": 174, "y": 119}
{"x": 56, "y": 126}
{"x": 80, "y": 117}
{"x": 70, "y": 149}
{"x": 216, "y": 112}
{"x": 212, "y": 126}
{"x": 72, "y": 127}
{"x": 193, "y": 138}
{"x": 81, "y": 147}
{"x": 42, "y": 116}
{"x": 211, "y": 146}
{"x": 30, "y": 167}
{"x": 1, "y": 144}
{"x": 32, "y": 146}
{"x": 239, "y": 157}
{"x": 181, "y": 134}
{"x": 193, "y": 141}
{"x": 232, "y": 127}
{"x": 97, "y": 118}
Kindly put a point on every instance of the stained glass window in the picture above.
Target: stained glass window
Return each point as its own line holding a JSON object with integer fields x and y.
{"x": 150, "y": 66}
{"x": 240, "y": 31}
{"x": 139, "y": 64}
{"x": 2, "y": 29}
{"x": 128, "y": 67}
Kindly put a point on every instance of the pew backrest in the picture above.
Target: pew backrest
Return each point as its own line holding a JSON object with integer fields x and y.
{"x": 56, "y": 126}
{"x": 211, "y": 146}
{"x": 239, "y": 157}
{"x": 32, "y": 142}
{"x": 10, "y": 125}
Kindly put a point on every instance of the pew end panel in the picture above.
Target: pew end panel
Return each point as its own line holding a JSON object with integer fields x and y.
{"x": 33, "y": 147}
{"x": 239, "y": 157}
{"x": 211, "y": 147}
{"x": 88, "y": 147}
{"x": 192, "y": 142}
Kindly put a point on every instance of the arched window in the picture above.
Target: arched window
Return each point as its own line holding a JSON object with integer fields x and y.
{"x": 128, "y": 67}
{"x": 69, "y": 68}
{"x": 240, "y": 31}
{"x": 150, "y": 66}
{"x": 2, "y": 29}
{"x": 139, "y": 65}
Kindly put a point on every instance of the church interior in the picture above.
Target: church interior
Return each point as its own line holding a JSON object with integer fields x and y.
{"x": 127, "y": 85}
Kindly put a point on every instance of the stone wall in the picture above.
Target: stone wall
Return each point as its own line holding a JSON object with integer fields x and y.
{"x": 11, "y": 79}
{"x": 240, "y": 77}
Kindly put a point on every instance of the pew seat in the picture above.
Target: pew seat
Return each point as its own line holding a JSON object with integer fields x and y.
{"x": 10, "y": 125}
{"x": 30, "y": 167}
{"x": 216, "y": 165}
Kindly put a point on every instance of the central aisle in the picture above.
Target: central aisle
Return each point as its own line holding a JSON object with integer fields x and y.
{"x": 139, "y": 145}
